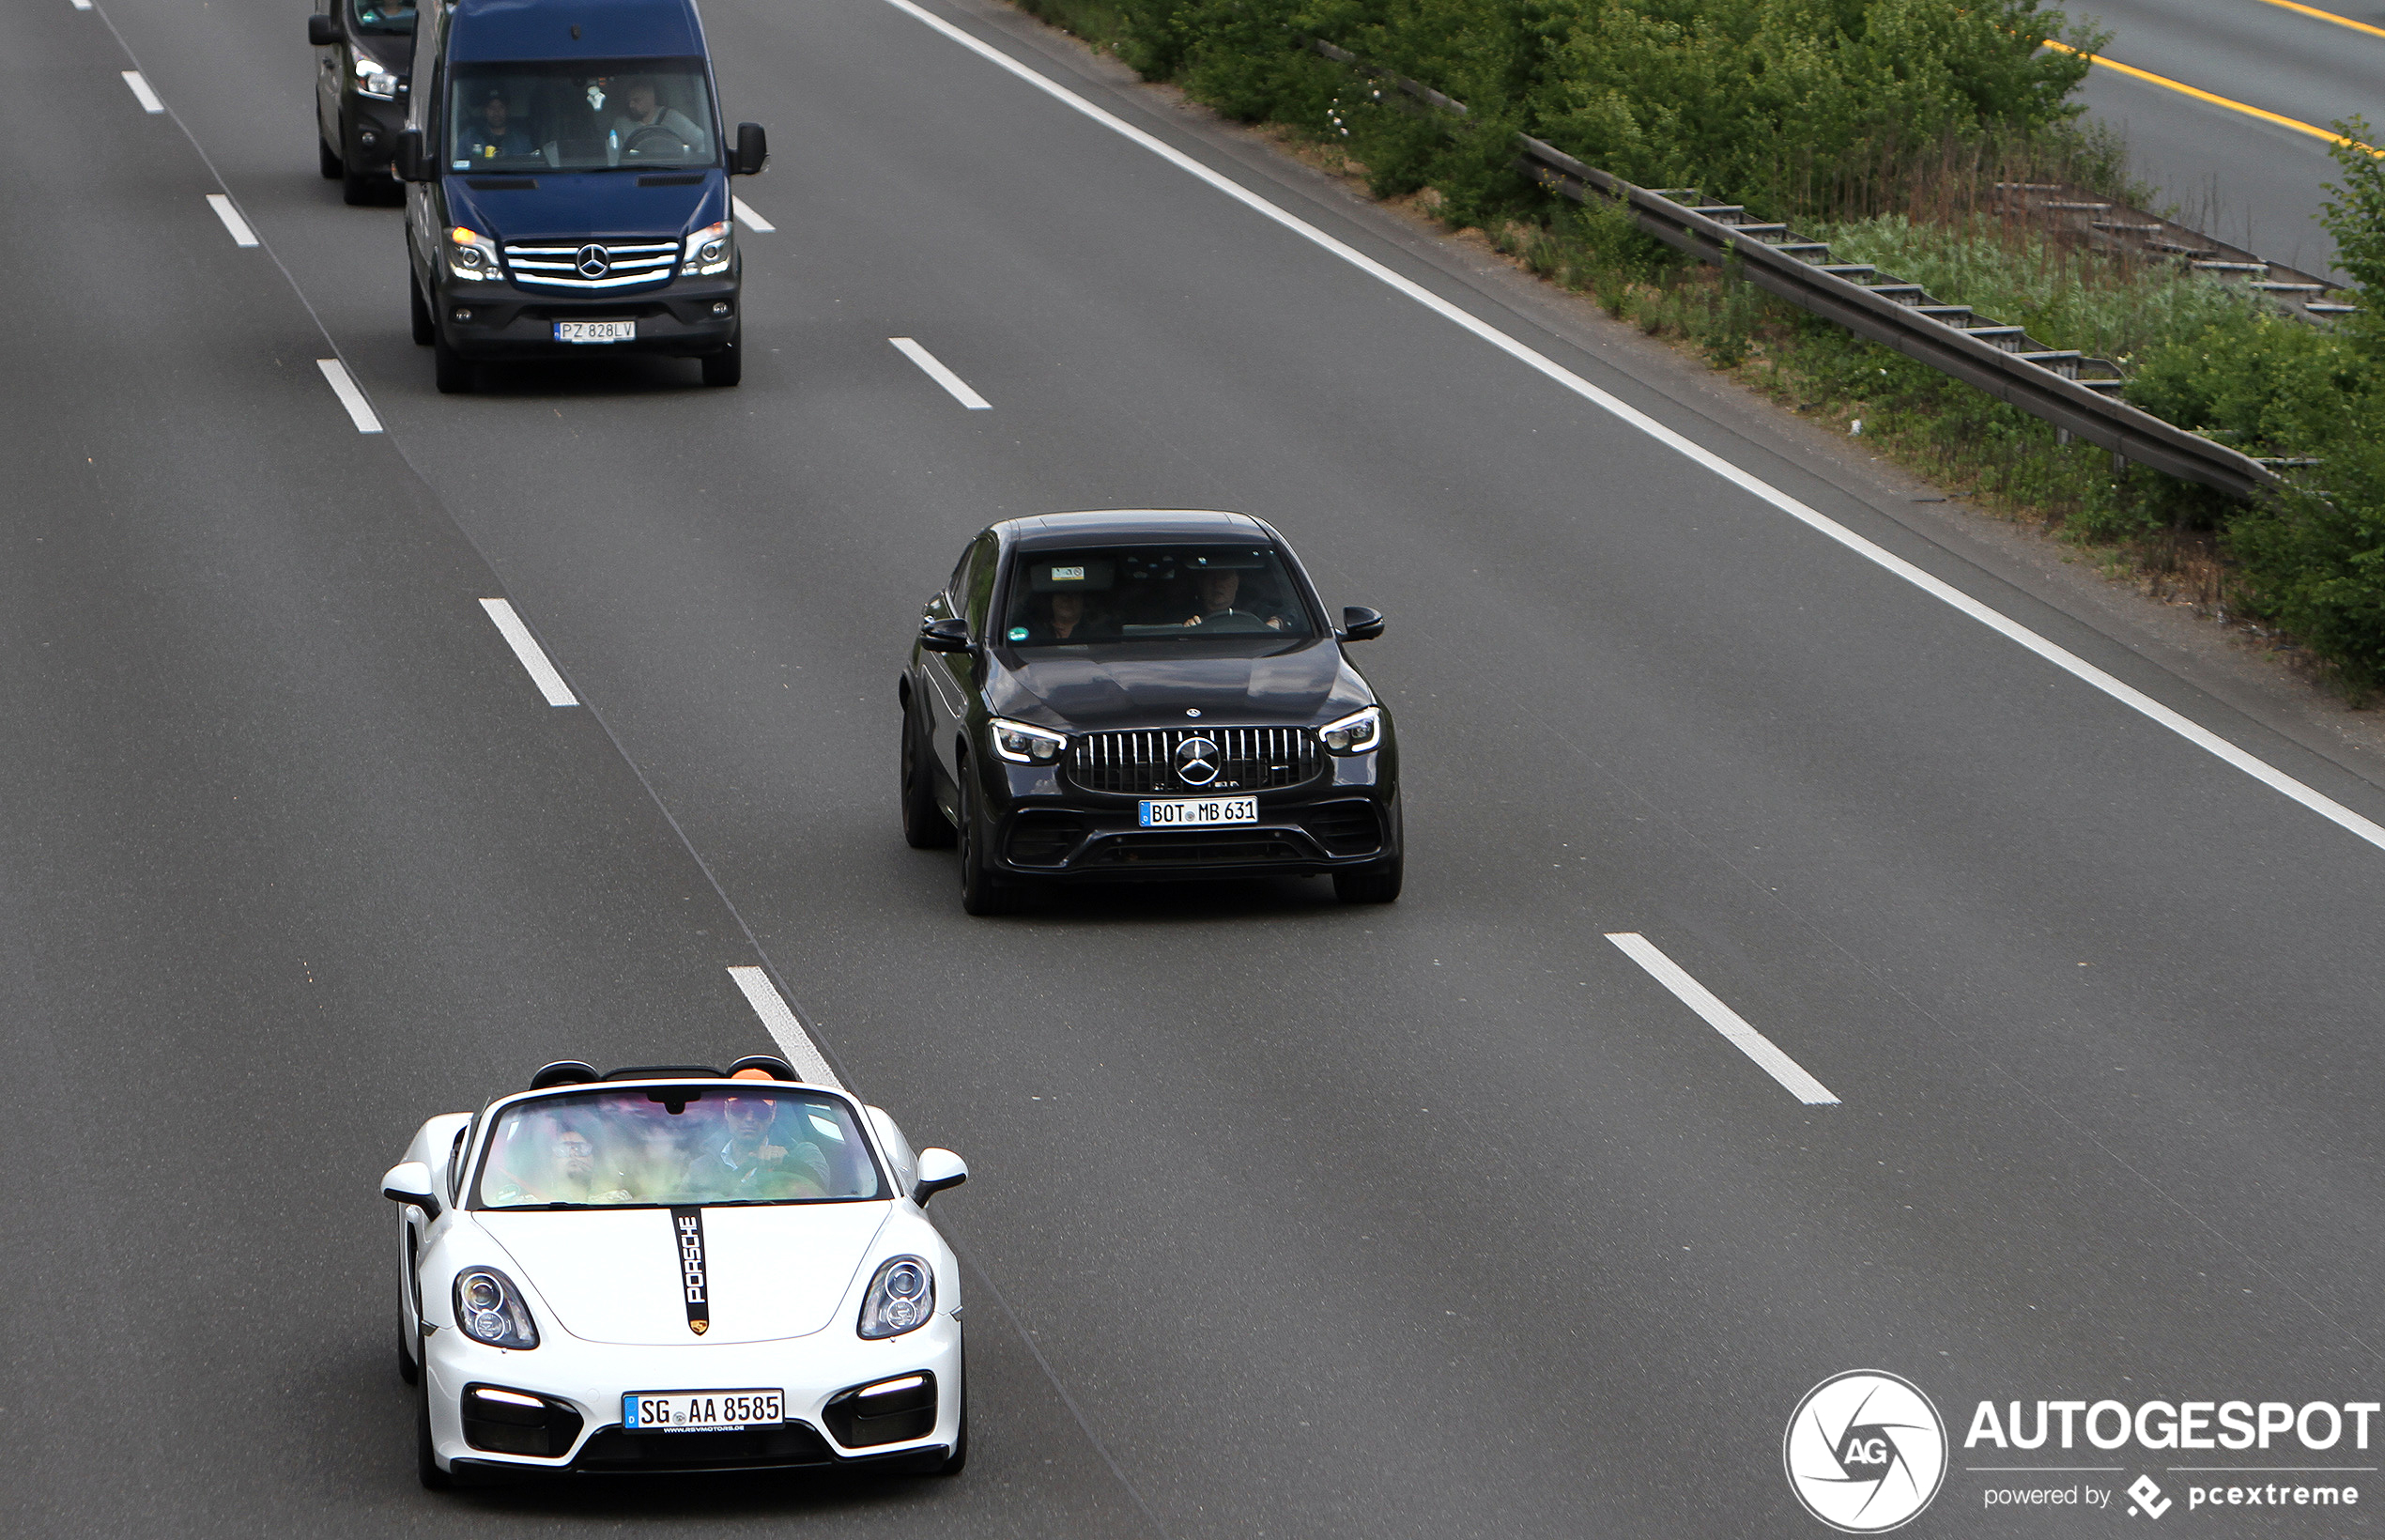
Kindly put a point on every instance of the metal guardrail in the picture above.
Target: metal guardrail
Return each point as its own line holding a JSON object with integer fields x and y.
{"x": 2004, "y": 361}
{"x": 2111, "y": 227}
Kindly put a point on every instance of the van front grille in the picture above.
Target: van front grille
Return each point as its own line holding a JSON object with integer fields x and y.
{"x": 591, "y": 267}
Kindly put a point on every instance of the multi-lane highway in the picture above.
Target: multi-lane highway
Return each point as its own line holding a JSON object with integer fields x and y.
{"x": 1285, "y": 1219}
{"x": 2254, "y": 177}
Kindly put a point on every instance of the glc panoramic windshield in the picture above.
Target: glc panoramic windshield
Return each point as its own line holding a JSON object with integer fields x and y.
{"x": 676, "y": 1144}
{"x": 580, "y": 117}
{"x": 1061, "y": 598}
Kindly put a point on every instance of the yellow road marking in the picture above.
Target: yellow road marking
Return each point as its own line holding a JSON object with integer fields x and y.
{"x": 2329, "y": 16}
{"x": 2229, "y": 102}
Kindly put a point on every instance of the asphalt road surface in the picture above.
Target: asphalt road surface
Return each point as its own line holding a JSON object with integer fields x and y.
{"x": 1444, "y": 1218}
{"x": 2243, "y": 178}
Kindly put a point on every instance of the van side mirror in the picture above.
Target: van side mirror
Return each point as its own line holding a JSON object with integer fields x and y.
{"x": 753, "y": 150}
{"x": 409, "y": 1181}
{"x": 944, "y": 636}
{"x": 322, "y": 32}
{"x": 407, "y": 159}
{"x": 938, "y": 1170}
{"x": 1359, "y": 623}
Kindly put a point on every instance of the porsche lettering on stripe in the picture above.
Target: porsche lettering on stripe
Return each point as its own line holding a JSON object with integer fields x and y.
{"x": 687, "y": 1228}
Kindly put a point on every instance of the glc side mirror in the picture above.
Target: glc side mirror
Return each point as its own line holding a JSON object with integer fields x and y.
{"x": 938, "y": 1170}
{"x": 322, "y": 32}
{"x": 407, "y": 159}
{"x": 753, "y": 150}
{"x": 1359, "y": 623}
{"x": 409, "y": 1181}
{"x": 944, "y": 636}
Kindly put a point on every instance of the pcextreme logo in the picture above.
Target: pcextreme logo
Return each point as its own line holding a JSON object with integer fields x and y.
{"x": 1865, "y": 1451}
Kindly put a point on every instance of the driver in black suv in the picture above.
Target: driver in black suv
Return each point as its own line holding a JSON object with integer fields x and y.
{"x": 1143, "y": 695}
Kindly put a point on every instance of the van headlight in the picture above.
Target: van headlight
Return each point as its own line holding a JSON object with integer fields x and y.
{"x": 471, "y": 254}
{"x": 373, "y": 79}
{"x": 489, "y": 1309}
{"x": 708, "y": 251}
{"x": 901, "y": 1298}
{"x": 1025, "y": 745}
{"x": 1355, "y": 733}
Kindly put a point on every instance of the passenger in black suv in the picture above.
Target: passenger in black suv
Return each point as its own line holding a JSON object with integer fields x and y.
{"x": 1145, "y": 694}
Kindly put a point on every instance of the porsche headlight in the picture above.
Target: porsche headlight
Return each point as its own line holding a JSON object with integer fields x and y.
{"x": 901, "y": 1298}
{"x": 707, "y": 251}
{"x": 1025, "y": 745}
{"x": 1355, "y": 733}
{"x": 489, "y": 1309}
{"x": 373, "y": 79}
{"x": 471, "y": 254}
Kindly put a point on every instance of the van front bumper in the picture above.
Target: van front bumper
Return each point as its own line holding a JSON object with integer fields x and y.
{"x": 682, "y": 319}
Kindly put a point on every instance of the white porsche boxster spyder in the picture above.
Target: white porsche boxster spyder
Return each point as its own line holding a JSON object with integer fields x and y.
{"x": 676, "y": 1268}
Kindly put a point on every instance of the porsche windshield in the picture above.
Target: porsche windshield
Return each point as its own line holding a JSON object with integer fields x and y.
{"x": 1062, "y": 598}
{"x": 580, "y": 117}
{"x": 676, "y": 1144}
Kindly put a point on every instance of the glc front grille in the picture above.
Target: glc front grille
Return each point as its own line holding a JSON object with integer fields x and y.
{"x": 1247, "y": 759}
{"x": 562, "y": 267}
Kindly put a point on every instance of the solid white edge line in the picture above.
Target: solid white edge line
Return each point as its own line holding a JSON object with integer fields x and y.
{"x": 746, "y": 217}
{"x": 517, "y": 637}
{"x": 242, "y": 234}
{"x": 2202, "y": 737}
{"x": 360, "y": 410}
{"x": 785, "y": 1030}
{"x": 149, "y": 99}
{"x": 936, "y": 369}
{"x": 1767, "y": 1056}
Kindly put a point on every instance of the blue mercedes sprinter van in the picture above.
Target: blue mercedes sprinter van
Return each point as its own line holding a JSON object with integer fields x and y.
{"x": 567, "y": 185}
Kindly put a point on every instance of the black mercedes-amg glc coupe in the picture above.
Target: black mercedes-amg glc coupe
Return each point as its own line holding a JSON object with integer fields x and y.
{"x": 1145, "y": 694}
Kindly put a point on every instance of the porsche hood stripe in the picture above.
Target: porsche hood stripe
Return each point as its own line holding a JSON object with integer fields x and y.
{"x": 687, "y": 1231}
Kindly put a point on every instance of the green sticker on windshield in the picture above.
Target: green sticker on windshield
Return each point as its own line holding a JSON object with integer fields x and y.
{"x": 1018, "y": 633}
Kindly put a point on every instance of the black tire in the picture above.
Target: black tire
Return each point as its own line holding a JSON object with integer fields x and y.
{"x": 981, "y": 891}
{"x": 958, "y": 1459}
{"x": 359, "y": 188}
{"x": 453, "y": 371}
{"x": 1376, "y": 883}
{"x": 727, "y": 366}
{"x": 426, "y": 1462}
{"x": 924, "y": 826}
{"x": 327, "y": 158}
{"x": 407, "y": 1370}
{"x": 425, "y": 331}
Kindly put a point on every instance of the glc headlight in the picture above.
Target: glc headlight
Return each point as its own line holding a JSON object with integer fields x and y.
{"x": 372, "y": 78}
{"x": 471, "y": 254}
{"x": 708, "y": 251}
{"x": 1025, "y": 745}
{"x": 490, "y": 1309}
{"x": 1355, "y": 733}
{"x": 901, "y": 1298}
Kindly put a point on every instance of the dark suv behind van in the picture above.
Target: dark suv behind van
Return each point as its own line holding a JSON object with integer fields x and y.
{"x": 365, "y": 53}
{"x": 568, "y": 186}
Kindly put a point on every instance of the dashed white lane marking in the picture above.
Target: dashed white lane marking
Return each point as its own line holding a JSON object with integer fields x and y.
{"x": 941, "y": 375}
{"x": 242, "y": 234}
{"x": 149, "y": 99}
{"x": 1724, "y": 1020}
{"x": 750, "y": 220}
{"x": 359, "y": 410}
{"x": 785, "y": 1030}
{"x": 82, "y": 5}
{"x": 517, "y": 637}
{"x": 2078, "y": 667}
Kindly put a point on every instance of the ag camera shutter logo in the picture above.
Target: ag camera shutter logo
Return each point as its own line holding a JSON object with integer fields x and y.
{"x": 1865, "y": 1451}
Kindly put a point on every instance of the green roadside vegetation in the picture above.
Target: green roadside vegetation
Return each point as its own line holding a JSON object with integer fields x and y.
{"x": 1880, "y": 127}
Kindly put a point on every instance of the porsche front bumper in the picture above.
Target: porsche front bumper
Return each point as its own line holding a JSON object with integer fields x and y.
{"x": 586, "y": 1380}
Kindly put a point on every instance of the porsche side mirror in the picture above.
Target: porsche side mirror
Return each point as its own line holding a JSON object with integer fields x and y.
{"x": 409, "y": 1181}
{"x": 944, "y": 636}
{"x": 938, "y": 1170}
{"x": 1359, "y": 623}
{"x": 407, "y": 157}
{"x": 322, "y": 32}
{"x": 753, "y": 150}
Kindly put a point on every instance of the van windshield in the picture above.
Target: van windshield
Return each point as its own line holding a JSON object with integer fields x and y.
{"x": 382, "y": 15}
{"x": 580, "y": 115}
